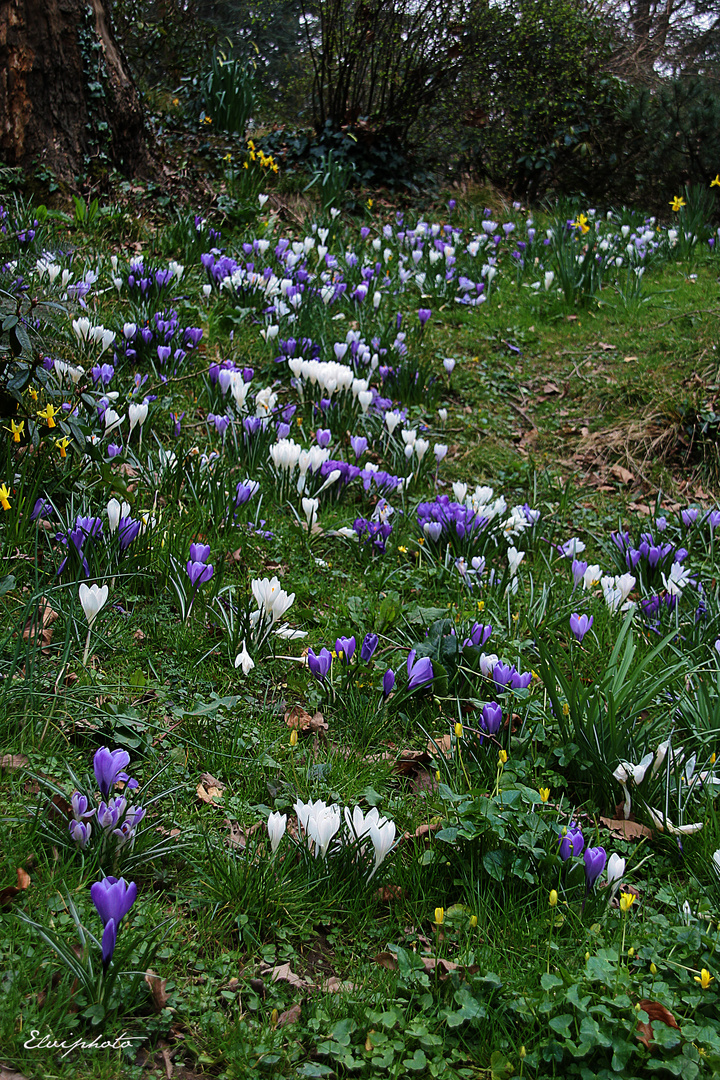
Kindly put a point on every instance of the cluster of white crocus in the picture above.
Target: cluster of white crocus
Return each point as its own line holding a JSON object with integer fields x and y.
{"x": 329, "y": 375}
{"x": 628, "y": 773}
{"x": 86, "y": 332}
{"x": 414, "y": 445}
{"x": 287, "y": 456}
{"x": 272, "y": 603}
{"x": 321, "y": 823}
{"x": 677, "y": 579}
{"x": 137, "y": 413}
{"x": 45, "y": 265}
{"x": 115, "y": 511}
{"x": 265, "y": 400}
{"x": 617, "y": 589}
{"x": 74, "y": 373}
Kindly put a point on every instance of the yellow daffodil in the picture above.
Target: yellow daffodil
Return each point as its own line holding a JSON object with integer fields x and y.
{"x": 704, "y": 978}
{"x": 33, "y": 393}
{"x": 369, "y": 204}
{"x": 62, "y": 445}
{"x": 17, "y": 429}
{"x": 176, "y": 101}
{"x": 439, "y": 916}
{"x": 251, "y": 144}
{"x": 716, "y": 181}
{"x": 566, "y": 709}
{"x": 502, "y": 755}
{"x": 544, "y": 793}
{"x": 582, "y": 223}
{"x": 677, "y": 203}
{"x": 553, "y": 898}
{"x": 627, "y": 899}
{"x": 48, "y": 413}
{"x": 4, "y": 497}
{"x": 228, "y": 157}
{"x": 458, "y": 731}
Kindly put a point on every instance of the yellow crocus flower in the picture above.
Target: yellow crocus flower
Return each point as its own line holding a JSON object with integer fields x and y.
{"x": 458, "y": 731}
{"x": 582, "y": 223}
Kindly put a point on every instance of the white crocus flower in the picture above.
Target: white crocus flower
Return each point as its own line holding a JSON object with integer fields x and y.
{"x": 277, "y": 823}
{"x": 382, "y": 836}
{"x": 137, "y": 412}
{"x": 92, "y": 598}
{"x": 112, "y": 420}
{"x": 615, "y": 870}
{"x": 392, "y": 419}
{"x": 246, "y": 662}
{"x": 115, "y": 511}
{"x": 515, "y": 557}
{"x": 677, "y": 579}
{"x": 322, "y": 827}
{"x": 664, "y": 824}
{"x": 310, "y": 509}
{"x": 549, "y": 278}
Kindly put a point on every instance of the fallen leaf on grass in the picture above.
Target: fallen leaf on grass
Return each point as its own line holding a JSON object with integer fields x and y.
{"x": 238, "y": 837}
{"x": 626, "y": 830}
{"x": 209, "y": 794}
{"x": 284, "y": 973}
{"x": 656, "y": 1013}
{"x": 12, "y": 762}
{"x": 622, "y": 474}
{"x": 388, "y": 893}
{"x": 430, "y": 964}
{"x": 333, "y": 985}
{"x": 38, "y": 628}
{"x": 605, "y": 347}
{"x": 157, "y": 990}
{"x": 290, "y": 1016}
{"x": 443, "y": 743}
{"x": 8, "y": 894}
{"x": 6, "y": 1073}
{"x": 301, "y": 721}
{"x": 550, "y": 388}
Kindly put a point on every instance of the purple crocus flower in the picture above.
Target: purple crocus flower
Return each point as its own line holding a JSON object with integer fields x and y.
{"x": 491, "y": 718}
{"x": 595, "y": 859}
{"x": 200, "y": 552}
{"x": 113, "y": 899}
{"x": 369, "y": 646}
{"x": 423, "y": 315}
{"x": 571, "y": 842}
{"x": 420, "y": 671}
{"x": 128, "y": 529}
{"x": 80, "y": 807}
{"x": 323, "y": 437}
{"x": 41, "y": 509}
{"x": 109, "y": 767}
{"x": 388, "y": 682}
{"x": 579, "y": 566}
{"x": 80, "y": 833}
{"x": 359, "y": 444}
{"x": 580, "y": 624}
{"x": 319, "y": 664}
{"x": 199, "y": 572}
{"x": 346, "y": 647}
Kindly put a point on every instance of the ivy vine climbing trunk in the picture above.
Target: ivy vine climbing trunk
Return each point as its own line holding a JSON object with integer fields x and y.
{"x": 66, "y": 92}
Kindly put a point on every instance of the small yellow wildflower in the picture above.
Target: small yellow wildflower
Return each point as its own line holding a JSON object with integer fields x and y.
{"x": 587, "y": 956}
{"x": 677, "y": 203}
{"x": 251, "y": 144}
{"x": 176, "y": 101}
{"x": 553, "y": 898}
{"x": 631, "y": 951}
{"x": 515, "y": 617}
{"x": 33, "y": 393}
{"x": 4, "y": 497}
{"x": 402, "y": 550}
{"x": 228, "y": 157}
{"x": 544, "y": 793}
{"x": 458, "y": 731}
{"x": 712, "y": 758}
{"x": 502, "y": 755}
{"x": 473, "y": 921}
{"x": 439, "y": 916}
{"x": 704, "y": 978}
{"x": 62, "y": 445}
{"x": 48, "y": 413}
{"x": 582, "y": 224}
{"x": 481, "y": 605}
{"x": 716, "y": 181}
{"x": 437, "y": 775}
{"x": 627, "y": 899}
{"x": 566, "y": 709}
{"x": 293, "y": 737}
{"x": 369, "y": 204}
{"x": 274, "y": 1017}
{"x": 17, "y": 430}
{"x": 653, "y": 969}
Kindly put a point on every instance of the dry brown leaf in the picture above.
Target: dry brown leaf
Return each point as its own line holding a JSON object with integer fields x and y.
{"x": 209, "y": 781}
{"x": 139, "y": 636}
{"x": 284, "y": 973}
{"x": 657, "y": 1013}
{"x": 626, "y": 830}
{"x": 38, "y": 628}
{"x": 157, "y": 990}
{"x": 629, "y": 359}
{"x": 6, "y": 1073}
{"x": 333, "y": 985}
{"x": 430, "y": 963}
{"x": 8, "y": 894}
{"x": 11, "y": 762}
{"x": 443, "y": 743}
{"x": 550, "y": 388}
{"x": 290, "y": 1016}
{"x": 236, "y": 555}
{"x": 301, "y": 721}
{"x": 168, "y": 1062}
{"x": 605, "y": 347}
{"x": 622, "y": 474}
{"x": 388, "y": 893}
{"x": 209, "y": 795}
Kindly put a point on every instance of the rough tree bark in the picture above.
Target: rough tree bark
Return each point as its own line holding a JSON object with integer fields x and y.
{"x": 66, "y": 92}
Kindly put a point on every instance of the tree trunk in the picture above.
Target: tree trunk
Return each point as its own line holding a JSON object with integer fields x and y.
{"x": 66, "y": 93}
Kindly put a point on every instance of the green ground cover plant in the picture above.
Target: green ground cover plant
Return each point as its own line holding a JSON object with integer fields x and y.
{"x": 360, "y": 635}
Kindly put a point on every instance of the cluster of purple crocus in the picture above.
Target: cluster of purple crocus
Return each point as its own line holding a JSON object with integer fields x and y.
{"x": 650, "y": 557}
{"x": 88, "y": 531}
{"x": 507, "y": 676}
{"x": 444, "y": 519}
{"x": 571, "y": 844}
{"x": 372, "y": 532}
{"x": 379, "y": 479}
{"x": 113, "y": 816}
{"x": 161, "y": 341}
